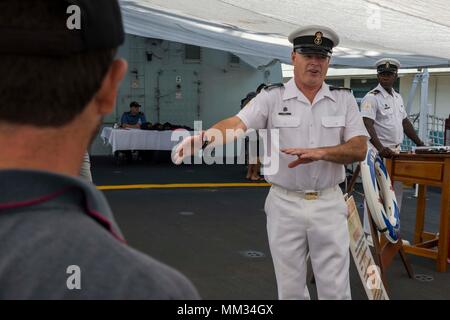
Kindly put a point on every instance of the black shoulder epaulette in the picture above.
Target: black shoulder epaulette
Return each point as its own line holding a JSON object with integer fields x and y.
{"x": 376, "y": 91}
{"x": 339, "y": 88}
{"x": 275, "y": 85}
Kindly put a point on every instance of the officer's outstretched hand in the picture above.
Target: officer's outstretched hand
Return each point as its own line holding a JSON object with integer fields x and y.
{"x": 189, "y": 146}
{"x": 420, "y": 144}
{"x": 304, "y": 155}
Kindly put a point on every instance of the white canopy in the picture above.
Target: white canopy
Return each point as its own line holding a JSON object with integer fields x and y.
{"x": 416, "y": 32}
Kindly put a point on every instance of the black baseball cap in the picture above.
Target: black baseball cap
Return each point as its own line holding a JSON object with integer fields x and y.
{"x": 101, "y": 28}
{"x": 135, "y": 104}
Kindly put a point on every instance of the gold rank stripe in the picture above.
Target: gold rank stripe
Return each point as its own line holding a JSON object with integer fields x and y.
{"x": 183, "y": 186}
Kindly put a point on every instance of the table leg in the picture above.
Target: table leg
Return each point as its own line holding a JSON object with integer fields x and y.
{"x": 420, "y": 214}
{"x": 444, "y": 219}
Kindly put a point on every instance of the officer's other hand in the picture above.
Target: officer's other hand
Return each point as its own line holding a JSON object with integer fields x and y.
{"x": 189, "y": 146}
{"x": 387, "y": 153}
{"x": 304, "y": 155}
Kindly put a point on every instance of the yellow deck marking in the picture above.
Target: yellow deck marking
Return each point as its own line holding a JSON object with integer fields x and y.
{"x": 183, "y": 186}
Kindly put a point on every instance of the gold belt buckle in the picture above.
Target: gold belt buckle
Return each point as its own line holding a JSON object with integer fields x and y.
{"x": 311, "y": 195}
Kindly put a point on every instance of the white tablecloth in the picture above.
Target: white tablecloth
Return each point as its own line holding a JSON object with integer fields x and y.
{"x": 137, "y": 139}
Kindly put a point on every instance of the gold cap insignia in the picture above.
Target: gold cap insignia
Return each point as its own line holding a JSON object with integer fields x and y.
{"x": 318, "y": 39}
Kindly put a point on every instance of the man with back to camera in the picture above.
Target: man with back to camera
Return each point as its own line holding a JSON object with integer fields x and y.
{"x": 51, "y": 222}
{"x": 320, "y": 129}
{"x": 385, "y": 118}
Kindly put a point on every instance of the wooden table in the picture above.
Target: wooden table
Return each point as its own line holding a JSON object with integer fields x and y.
{"x": 426, "y": 170}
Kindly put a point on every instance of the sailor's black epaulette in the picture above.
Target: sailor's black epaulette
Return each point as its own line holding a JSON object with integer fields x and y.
{"x": 376, "y": 91}
{"x": 275, "y": 85}
{"x": 339, "y": 88}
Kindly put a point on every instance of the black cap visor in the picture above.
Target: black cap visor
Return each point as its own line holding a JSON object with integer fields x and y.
{"x": 322, "y": 51}
{"x": 387, "y": 70}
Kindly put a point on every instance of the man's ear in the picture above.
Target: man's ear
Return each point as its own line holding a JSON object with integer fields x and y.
{"x": 293, "y": 57}
{"x": 105, "y": 98}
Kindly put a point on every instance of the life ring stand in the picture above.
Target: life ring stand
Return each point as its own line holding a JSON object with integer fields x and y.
{"x": 380, "y": 196}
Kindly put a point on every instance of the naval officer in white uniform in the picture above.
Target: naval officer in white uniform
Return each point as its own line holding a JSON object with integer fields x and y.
{"x": 320, "y": 130}
{"x": 385, "y": 118}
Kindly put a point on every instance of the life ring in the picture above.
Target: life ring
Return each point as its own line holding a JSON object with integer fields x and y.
{"x": 380, "y": 196}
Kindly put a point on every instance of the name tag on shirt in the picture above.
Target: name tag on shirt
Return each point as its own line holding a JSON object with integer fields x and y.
{"x": 285, "y": 112}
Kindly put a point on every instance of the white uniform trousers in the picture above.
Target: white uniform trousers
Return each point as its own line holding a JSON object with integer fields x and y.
{"x": 398, "y": 190}
{"x": 295, "y": 226}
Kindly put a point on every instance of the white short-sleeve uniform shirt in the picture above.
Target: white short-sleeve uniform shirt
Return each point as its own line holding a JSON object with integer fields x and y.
{"x": 332, "y": 119}
{"x": 388, "y": 112}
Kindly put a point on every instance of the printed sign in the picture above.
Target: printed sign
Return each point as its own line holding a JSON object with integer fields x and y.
{"x": 368, "y": 271}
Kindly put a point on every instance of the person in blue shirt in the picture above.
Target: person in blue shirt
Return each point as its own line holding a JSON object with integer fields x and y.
{"x": 134, "y": 118}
